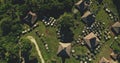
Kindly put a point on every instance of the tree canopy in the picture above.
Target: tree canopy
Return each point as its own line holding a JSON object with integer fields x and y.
{"x": 66, "y": 20}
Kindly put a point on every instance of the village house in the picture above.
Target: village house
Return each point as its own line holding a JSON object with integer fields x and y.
{"x": 104, "y": 60}
{"x": 116, "y": 28}
{"x": 30, "y": 18}
{"x": 91, "y": 41}
{"x": 82, "y": 5}
{"x": 88, "y": 18}
{"x": 64, "y": 50}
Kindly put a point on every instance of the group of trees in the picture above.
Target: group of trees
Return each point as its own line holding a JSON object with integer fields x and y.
{"x": 11, "y": 14}
{"x": 10, "y": 30}
{"x": 44, "y": 7}
{"x": 25, "y": 47}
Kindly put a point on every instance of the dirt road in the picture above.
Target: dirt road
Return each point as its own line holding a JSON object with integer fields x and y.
{"x": 37, "y": 48}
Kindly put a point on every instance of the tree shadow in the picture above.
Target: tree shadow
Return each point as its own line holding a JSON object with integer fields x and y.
{"x": 66, "y": 34}
{"x": 117, "y": 3}
{"x": 63, "y": 59}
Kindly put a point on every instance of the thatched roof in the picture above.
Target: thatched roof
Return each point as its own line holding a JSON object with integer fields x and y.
{"x": 82, "y": 5}
{"x": 87, "y": 13}
{"x": 34, "y": 16}
{"x": 104, "y": 60}
{"x": 116, "y": 24}
{"x": 30, "y": 17}
{"x": 113, "y": 55}
{"x": 88, "y": 18}
{"x": 64, "y": 50}
{"x": 91, "y": 40}
{"x": 116, "y": 27}
{"x": 79, "y": 2}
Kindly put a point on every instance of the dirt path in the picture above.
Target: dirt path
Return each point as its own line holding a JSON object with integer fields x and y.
{"x": 37, "y": 48}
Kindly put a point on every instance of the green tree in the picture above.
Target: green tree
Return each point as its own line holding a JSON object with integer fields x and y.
{"x": 25, "y": 45}
{"x": 66, "y": 20}
{"x": 5, "y": 26}
{"x": 9, "y": 26}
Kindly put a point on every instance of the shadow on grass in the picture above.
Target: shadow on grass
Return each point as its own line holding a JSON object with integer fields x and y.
{"x": 66, "y": 34}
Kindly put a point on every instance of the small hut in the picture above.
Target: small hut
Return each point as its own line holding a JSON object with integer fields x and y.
{"x": 113, "y": 56}
{"x": 116, "y": 28}
{"x": 88, "y": 18}
{"x": 82, "y": 5}
{"x": 104, "y": 60}
{"x": 30, "y": 18}
{"x": 91, "y": 41}
{"x": 64, "y": 50}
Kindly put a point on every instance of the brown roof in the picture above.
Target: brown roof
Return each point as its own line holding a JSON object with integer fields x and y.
{"x": 91, "y": 40}
{"x": 116, "y": 27}
{"x": 64, "y": 49}
{"x": 104, "y": 60}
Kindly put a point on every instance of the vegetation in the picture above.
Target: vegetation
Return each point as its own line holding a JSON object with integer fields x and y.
{"x": 116, "y": 46}
{"x": 12, "y": 42}
{"x": 116, "y": 2}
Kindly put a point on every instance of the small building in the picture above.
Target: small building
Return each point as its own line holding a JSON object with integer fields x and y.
{"x": 82, "y": 5}
{"x": 91, "y": 41}
{"x": 104, "y": 60}
{"x": 116, "y": 28}
{"x": 113, "y": 56}
{"x": 30, "y": 18}
{"x": 88, "y": 18}
{"x": 64, "y": 50}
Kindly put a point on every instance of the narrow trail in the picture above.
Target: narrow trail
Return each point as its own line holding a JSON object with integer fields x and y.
{"x": 37, "y": 48}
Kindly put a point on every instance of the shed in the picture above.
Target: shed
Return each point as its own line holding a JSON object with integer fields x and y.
{"x": 116, "y": 28}
{"x": 64, "y": 50}
{"x": 91, "y": 41}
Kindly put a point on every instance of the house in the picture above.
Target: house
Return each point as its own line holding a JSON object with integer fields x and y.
{"x": 116, "y": 28}
{"x": 82, "y": 5}
{"x": 64, "y": 50}
{"x": 113, "y": 56}
{"x": 104, "y": 60}
{"x": 91, "y": 41}
{"x": 30, "y": 18}
{"x": 88, "y": 18}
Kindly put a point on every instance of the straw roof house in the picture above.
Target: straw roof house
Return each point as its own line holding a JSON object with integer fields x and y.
{"x": 64, "y": 50}
{"x": 113, "y": 56}
{"x": 87, "y": 13}
{"x": 104, "y": 60}
{"x": 30, "y": 17}
{"x": 116, "y": 28}
{"x": 88, "y": 18}
{"x": 91, "y": 40}
{"x": 79, "y": 2}
{"x": 82, "y": 5}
